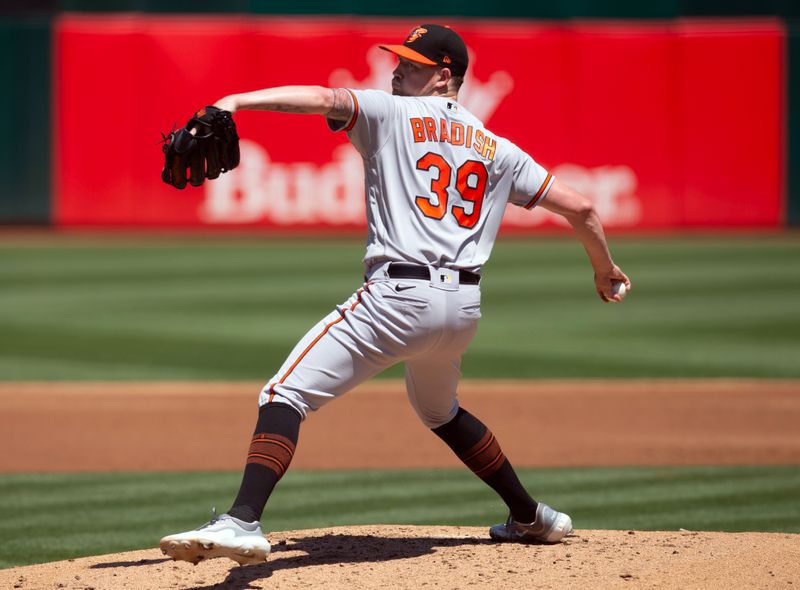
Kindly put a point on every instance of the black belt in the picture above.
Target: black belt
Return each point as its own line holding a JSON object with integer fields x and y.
{"x": 402, "y": 270}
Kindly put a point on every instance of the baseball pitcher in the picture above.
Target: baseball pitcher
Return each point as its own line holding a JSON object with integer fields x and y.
{"x": 437, "y": 182}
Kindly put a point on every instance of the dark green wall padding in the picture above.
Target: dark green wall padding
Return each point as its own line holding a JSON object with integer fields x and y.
{"x": 25, "y": 127}
{"x": 501, "y": 8}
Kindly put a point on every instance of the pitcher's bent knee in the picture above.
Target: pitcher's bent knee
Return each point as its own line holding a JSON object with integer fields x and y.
{"x": 276, "y": 393}
{"x": 434, "y": 419}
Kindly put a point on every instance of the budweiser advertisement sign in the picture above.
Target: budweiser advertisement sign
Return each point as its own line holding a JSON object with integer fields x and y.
{"x": 671, "y": 125}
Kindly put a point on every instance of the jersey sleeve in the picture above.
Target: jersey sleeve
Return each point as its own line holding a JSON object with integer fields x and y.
{"x": 530, "y": 180}
{"x": 371, "y": 124}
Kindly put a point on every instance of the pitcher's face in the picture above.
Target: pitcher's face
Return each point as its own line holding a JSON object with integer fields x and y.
{"x": 414, "y": 79}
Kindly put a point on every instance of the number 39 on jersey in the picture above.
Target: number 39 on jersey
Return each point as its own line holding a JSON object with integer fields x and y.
{"x": 470, "y": 183}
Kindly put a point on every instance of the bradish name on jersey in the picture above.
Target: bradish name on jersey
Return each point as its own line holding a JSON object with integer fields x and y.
{"x": 309, "y": 193}
{"x": 453, "y": 132}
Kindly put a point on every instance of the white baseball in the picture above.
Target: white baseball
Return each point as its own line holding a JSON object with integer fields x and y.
{"x": 618, "y": 288}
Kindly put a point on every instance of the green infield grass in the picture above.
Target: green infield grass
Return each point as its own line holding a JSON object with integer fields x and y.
{"x": 219, "y": 308}
{"x": 49, "y": 517}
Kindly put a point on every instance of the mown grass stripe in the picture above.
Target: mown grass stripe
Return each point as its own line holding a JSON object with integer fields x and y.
{"x": 56, "y": 516}
{"x": 232, "y": 308}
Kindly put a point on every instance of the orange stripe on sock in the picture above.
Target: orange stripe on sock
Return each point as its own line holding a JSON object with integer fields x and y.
{"x": 279, "y": 453}
{"x": 265, "y": 440}
{"x": 272, "y": 451}
{"x": 485, "y": 457}
{"x": 257, "y": 456}
{"x": 482, "y": 448}
{"x": 493, "y": 466}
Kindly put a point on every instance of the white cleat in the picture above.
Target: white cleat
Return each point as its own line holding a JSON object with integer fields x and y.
{"x": 550, "y": 526}
{"x": 222, "y": 536}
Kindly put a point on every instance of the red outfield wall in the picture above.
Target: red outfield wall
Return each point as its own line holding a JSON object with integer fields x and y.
{"x": 671, "y": 125}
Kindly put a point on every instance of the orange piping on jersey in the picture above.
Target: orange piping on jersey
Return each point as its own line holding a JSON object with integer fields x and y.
{"x": 539, "y": 194}
{"x": 302, "y": 355}
{"x": 355, "y": 111}
{"x": 310, "y": 346}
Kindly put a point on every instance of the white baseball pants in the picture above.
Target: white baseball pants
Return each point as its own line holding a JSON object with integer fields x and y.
{"x": 425, "y": 323}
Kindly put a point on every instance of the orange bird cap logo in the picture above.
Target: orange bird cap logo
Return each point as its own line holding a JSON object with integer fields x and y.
{"x": 416, "y": 34}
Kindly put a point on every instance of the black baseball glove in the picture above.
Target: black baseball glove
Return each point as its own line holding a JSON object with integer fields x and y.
{"x": 206, "y": 146}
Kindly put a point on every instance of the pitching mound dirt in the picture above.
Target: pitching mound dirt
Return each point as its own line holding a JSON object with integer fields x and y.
{"x": 448, "y": 557}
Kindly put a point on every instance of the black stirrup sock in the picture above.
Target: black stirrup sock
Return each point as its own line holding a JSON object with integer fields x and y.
{"x": 271, "y": 451}
{"x": 477, "y": 447}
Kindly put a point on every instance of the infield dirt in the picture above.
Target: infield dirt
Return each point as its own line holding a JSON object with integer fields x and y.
{"x": 541, "y": 423}
{"x": 545, "y": 423}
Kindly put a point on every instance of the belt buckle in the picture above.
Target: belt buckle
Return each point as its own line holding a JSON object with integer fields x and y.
{"x": 444, "y": 279}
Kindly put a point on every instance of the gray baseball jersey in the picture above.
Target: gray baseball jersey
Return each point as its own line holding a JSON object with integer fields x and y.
{"x": 436, "y": 180}
{"x": 437, "y": 183}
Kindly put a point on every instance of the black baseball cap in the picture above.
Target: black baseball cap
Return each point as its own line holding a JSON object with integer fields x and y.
{"x": 434, "y": 45}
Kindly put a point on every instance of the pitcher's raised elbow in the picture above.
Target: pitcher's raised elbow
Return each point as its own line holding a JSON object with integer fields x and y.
{"x": 582, "y": 208}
